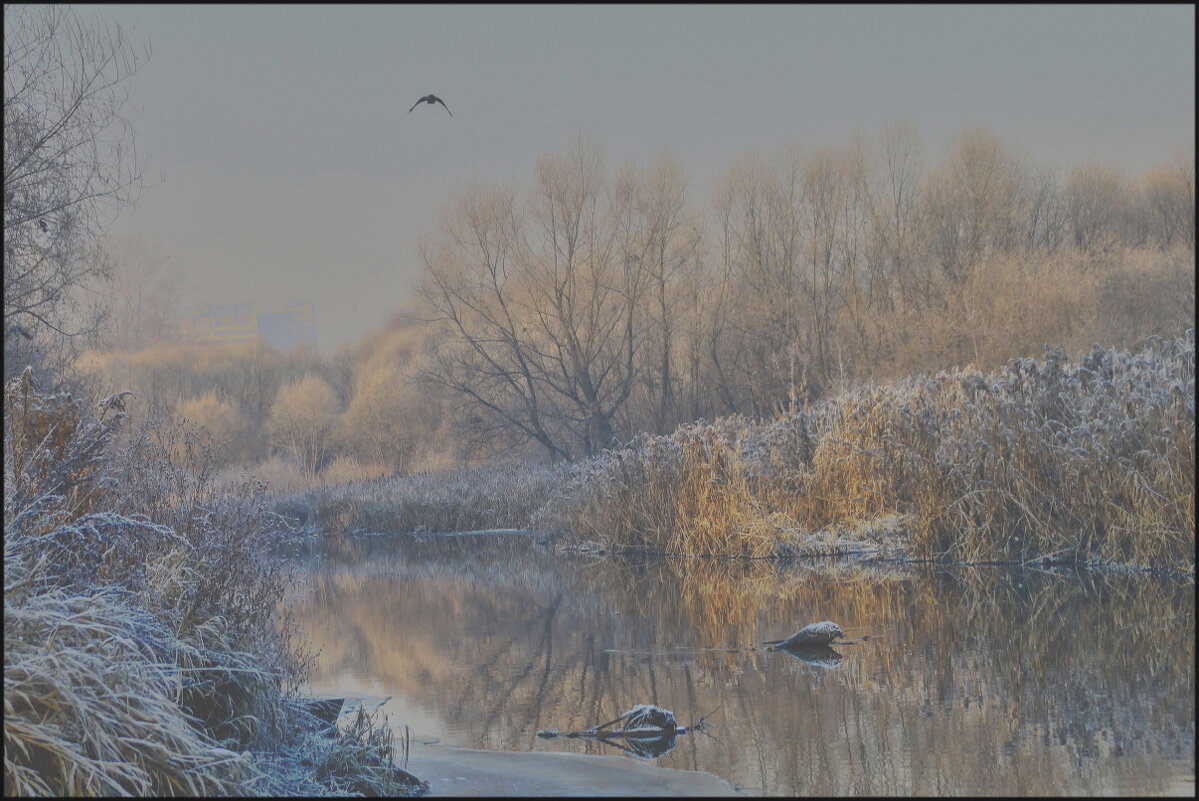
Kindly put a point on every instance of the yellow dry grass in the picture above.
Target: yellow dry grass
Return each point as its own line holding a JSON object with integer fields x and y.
{"x": 1090, "y": 460}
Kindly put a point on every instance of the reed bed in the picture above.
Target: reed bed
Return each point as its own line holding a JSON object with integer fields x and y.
{"x": 1089, "y": 460}
{"x": 144, "y": 653}
{"x": 466, "y": 499}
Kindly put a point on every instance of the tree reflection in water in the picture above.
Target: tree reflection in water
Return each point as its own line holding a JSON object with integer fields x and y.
{"x": 983, "y": 681}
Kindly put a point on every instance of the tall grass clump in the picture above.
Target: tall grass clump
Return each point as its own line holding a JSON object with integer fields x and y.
{"x": 1090, "y": 460}
{"x": 144, "y": 653}
{"x": 691, "y": 492}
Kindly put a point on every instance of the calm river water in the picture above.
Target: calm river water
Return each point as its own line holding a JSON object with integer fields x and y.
{"x": 982, "y": 681}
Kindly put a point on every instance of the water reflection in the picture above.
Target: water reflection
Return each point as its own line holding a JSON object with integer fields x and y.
{"x": 821, "y": 656}
{"x": 983, "y": 681}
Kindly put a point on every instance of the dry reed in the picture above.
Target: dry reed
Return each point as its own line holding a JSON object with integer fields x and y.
{"x": 1088, "y": 461}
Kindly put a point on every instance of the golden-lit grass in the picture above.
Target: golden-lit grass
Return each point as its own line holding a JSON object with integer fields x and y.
{"x": 143, "y": 650}
{"x": 347, "y": 469}
{"x": 715, "y": 508}
{"x": 1089, "y": 460}
{"x": 1084, "y": 461}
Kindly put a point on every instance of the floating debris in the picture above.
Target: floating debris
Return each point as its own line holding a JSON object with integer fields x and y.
{"x": 647, "y": 730}
{"x": 818, "y": 634}
{"x": 648, "y": 716}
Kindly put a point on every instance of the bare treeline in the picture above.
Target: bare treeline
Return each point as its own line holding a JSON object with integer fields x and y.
{"x": 562, "y": 308}
{"x": 600, "y": 303}
{"x": 351, "y": 415}
{"x": 596, "y": 303}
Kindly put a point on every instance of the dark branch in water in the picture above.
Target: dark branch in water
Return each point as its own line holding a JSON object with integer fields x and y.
{"x": 643, "y": 721}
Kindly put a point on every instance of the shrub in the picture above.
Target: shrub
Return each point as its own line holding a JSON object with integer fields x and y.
{"x": 144, "y": 649}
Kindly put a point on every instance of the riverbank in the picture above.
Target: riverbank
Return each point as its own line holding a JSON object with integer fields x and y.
{"x": 465, "y": 499}
{"x": 144, "y": 648}
{"x": 1086, "y": 460}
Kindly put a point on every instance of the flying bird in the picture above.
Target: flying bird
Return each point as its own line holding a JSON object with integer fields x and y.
{"x": 431, "y": 99}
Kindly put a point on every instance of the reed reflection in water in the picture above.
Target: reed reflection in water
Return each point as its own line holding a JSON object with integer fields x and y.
{"x": 983, "y": 681}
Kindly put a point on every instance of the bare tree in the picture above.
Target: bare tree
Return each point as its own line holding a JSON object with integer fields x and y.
{"x": 892, "y": 194}
{"x": 303, "y": 420}
{"x": 1046, "y": 214}
{"x": 1096, "y": 198}
{"x": 539, "y": 305}
{"x": 1169, "y": 191}
{"x": 664, "y": 240}
{"x": 974, "y": 203}
{"x": 388, "y": 417}
{"x": 144, "y": 295}
{"x": 757, "y": 343}
{"x": 834, "y": 223}
{"x": 1184, "y": 169}
{"x": 792, "y": 232}
{"x": 480, "y": 352}
{"x": 593, "y": 306}
{"x": 221, "y": 423}
{"x": 69, "y": 159}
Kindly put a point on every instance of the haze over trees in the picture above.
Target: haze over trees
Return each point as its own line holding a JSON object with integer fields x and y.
{"x": 551, "y": 301}
{"x": 591, "y": 302}
{"x": 601, "y": 303}
{"x": 585, "y": 303}
{"x": 143, "y": 295}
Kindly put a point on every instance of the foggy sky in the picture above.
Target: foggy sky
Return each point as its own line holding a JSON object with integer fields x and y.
{"x": 292, "y": 170}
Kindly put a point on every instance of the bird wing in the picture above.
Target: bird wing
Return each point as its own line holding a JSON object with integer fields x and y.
{"x": 443, "y": 105}
{"x": 417, "y": 103}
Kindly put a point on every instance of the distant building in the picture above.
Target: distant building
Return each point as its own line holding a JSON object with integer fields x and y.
{"x": 288, "y": 325}
{"x": 283, "y": 325}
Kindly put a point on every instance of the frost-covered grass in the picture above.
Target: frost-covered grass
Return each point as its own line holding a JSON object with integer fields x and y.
{"x": 457, "y": 500}
{"x": 1090, "y": 460}
{"x": 143, "y": 650}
